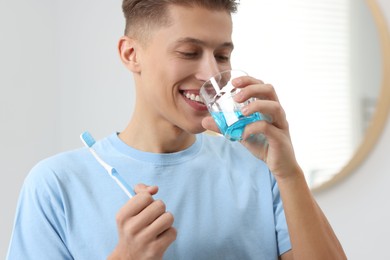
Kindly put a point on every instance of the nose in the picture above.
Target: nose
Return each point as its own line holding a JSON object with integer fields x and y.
{"x": 208, "y": 67}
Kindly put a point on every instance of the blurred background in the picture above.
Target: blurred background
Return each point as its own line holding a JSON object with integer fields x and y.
{"x": 60, "y": 75}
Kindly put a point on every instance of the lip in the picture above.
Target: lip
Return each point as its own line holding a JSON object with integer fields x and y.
{"x": 193, "y": 104}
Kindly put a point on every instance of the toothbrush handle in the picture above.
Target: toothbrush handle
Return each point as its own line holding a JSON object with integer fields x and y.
{"x": 122, "y": 183}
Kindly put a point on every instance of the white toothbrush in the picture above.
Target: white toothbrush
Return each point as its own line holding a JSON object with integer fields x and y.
{"x": 88, "y": 141}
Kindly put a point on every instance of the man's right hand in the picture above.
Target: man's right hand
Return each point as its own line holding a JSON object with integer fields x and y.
{"x": 144, "y": 227}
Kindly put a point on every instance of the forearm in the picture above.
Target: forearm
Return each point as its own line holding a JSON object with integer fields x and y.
{"x": 311, "y": 235}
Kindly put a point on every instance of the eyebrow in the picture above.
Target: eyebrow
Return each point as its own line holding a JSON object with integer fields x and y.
{"x": 229, "y": 45}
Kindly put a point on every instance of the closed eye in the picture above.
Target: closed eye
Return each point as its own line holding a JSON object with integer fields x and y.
{"x": 188, "y": 55}
{"x": 222, "y": 58}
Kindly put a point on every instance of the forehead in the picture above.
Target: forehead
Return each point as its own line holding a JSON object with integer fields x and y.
{"x": 212, "y": 27}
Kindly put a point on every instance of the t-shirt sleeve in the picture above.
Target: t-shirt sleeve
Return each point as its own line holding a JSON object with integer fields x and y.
{"x": 282, "y": 235}
{"x": 39, "y": 230}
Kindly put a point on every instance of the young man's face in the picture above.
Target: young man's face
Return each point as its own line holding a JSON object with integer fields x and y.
{"x": 177, "y": 60}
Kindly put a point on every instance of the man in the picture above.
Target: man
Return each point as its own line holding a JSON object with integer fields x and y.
{"x": 197, "y": 196}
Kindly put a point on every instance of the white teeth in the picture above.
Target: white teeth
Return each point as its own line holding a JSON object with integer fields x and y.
{"x": 193, "y": 97}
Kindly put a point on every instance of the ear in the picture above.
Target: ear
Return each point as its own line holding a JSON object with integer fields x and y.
{"x": 127, "y": 48}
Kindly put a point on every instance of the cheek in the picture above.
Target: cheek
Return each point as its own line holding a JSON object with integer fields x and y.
{"x": 182, "y": 69}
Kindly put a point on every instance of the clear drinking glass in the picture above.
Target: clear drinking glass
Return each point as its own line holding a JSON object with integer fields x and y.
{"x": 218, "y": 93}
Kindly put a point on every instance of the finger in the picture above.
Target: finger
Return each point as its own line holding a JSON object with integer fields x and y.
{"x": 273, "y": 134}
{"x": 161, "y": 224}
{"x": 208, "y": 123}
{"x": 251, "y": 88}
{"x": 166, "y": 238}
{"x": 272, "y": 112}
{"x": 142, "y": 187}
{"x": 245, "y": 80}
{"x": 149, "y": 214}
{"x": 133, "y": 207}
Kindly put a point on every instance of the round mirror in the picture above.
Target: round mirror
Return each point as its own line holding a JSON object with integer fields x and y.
{"x": 326, "y": 59}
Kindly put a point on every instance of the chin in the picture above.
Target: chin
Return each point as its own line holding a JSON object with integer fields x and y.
{"x": 196, "y": 130}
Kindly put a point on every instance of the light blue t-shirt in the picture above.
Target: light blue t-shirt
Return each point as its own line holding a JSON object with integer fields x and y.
{"x": 225, "y": 202}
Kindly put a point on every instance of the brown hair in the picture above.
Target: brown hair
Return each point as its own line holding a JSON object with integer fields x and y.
{"x": 143, "y": 15}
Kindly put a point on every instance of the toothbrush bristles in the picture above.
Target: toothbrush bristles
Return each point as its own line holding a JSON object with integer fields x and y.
{"x": 87, "y": 139}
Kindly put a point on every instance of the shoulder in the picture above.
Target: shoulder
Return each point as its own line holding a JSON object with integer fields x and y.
{"x": 56, "y": 163}
{"x": 56, "y": 167}
{"x": 64, "y": 170}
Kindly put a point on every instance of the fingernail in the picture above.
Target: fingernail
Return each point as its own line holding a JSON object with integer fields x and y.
{"x": 238, "y": 96}
{"x": 244, "y": 110}
{"x": 151, "y": 188}
{"x": 236, "y": 81}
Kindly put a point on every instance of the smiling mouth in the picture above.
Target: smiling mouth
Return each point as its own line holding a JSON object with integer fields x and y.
{"x": 193, "y": 97}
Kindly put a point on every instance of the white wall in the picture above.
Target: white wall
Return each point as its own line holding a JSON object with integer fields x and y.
{"x": 28, "y": 97}
{"x": 60, "y": 75}
{"x": 358, "y": 207}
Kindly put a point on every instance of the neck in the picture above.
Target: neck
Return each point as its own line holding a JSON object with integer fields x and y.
{"x": 155, "y": 137}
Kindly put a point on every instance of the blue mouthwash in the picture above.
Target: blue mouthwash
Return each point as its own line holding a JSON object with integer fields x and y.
{"x": 232, "y": 124}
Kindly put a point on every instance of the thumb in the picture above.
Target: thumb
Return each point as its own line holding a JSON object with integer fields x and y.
{"x": 145, "y": 188}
